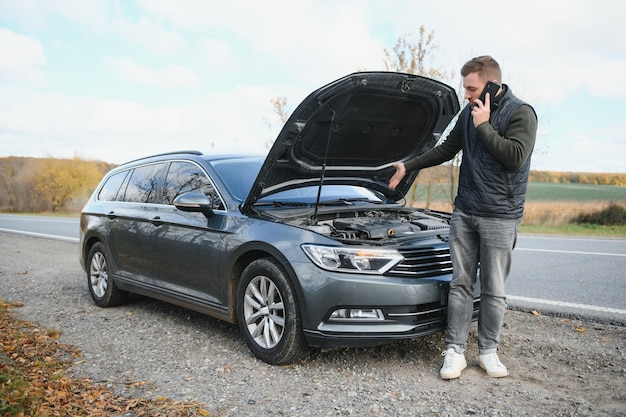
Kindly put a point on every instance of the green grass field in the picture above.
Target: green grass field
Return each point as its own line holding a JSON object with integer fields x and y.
{"x": 544, "y": 191}
{"x": 550, "y": 207}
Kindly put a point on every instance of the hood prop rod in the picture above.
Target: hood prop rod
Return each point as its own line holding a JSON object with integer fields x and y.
{"x": 319, "y": 189}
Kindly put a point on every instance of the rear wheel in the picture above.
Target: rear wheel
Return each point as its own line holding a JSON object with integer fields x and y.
{"x": 103, "y": 290}
{"x": 268, "y": 313}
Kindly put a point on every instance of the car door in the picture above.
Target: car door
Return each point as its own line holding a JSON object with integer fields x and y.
{"x": 130, "y": 221}
{"x": 187, "y": 245}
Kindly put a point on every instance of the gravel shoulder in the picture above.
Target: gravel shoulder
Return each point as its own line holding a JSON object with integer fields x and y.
{"x": 146, "y": 348}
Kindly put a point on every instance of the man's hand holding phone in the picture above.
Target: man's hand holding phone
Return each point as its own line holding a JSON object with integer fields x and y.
{"x": 481, "y": 108}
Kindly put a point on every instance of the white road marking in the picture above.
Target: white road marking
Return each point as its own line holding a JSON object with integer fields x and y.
{"x": 573, "y": 252}
{"x": 580, "y": 239}
{"x": 564, "y": 304}
{"x": 55, "y": 237}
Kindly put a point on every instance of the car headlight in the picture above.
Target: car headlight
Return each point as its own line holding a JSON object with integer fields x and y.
{"x": 347, "y": 259}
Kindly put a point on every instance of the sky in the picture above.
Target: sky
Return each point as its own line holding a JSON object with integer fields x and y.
{"x": 115, "y": 80}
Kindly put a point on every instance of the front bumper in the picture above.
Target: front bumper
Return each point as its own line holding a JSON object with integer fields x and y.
{"x": 410, "y": 307}
{"x": 423, "y": 321}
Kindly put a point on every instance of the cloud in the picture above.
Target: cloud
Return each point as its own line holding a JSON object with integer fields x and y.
{"x": 44, "y": 123}
{"x": 22, "y": 59}
{"x": 193, "y": 15}
{"x": 608, "y": 79}
{"x": 171, "y": 75}
{"x": 92, "y": 13}
{"x": 310, "y": 41}
{"x": 200, "y": 74}
{"x": 548, "y": 49}
{"x": 35, "y": 15}
{"x": 575, "y": 150}
{"x": 148, "y": 33}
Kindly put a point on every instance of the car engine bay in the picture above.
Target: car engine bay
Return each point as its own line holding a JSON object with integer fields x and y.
{"x": 379, "y": 226}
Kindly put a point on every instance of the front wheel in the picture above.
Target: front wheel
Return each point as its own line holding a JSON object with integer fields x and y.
{"x": 103, "y": 290}
{"x": 268, "y": 313}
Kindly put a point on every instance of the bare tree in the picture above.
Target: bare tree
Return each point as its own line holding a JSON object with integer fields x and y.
{"x": 8, "y": 184}
{"x": 279, "y": 105}
{"x": 414, "y": 57}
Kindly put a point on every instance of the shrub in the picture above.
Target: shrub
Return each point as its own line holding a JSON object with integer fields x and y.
{"x": 612, "y": 215}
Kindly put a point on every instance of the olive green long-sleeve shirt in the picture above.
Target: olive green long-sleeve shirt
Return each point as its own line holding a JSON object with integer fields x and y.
{"x": 512, "y": 149}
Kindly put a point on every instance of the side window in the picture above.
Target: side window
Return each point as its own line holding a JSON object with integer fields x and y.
{"x": 184, "y": 177}
{"x": 111, "y": 186}
{"x": 143, "y": 183}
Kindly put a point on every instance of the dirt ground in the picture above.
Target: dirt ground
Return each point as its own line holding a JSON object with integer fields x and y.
{"x": 558, "y": 366}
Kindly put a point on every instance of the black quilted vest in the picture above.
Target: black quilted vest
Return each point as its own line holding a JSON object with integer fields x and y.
{"x": 486, "y": 186}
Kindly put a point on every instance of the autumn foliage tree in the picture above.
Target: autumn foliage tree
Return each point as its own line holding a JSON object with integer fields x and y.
{"x": 58, "y": 181}
{"x": 591, "y": 178}
{"x": 16, "y": 184}
{"x": 47, "y": 184}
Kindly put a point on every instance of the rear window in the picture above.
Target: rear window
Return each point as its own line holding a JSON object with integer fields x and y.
{"x": 143, "y": 184}
{"x": 109, "y": 190}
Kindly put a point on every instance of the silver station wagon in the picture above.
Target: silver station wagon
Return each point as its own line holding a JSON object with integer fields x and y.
{"x": 306, "y": 247}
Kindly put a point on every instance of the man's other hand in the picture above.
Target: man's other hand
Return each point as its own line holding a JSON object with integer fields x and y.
{"x": 397, "y": 177}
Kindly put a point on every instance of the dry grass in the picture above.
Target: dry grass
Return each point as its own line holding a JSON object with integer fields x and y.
{"x": 548, "y": 213}
{"x": 556, "y": 213}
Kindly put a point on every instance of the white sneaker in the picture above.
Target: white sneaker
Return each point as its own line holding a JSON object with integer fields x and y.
{"x": 491, "y": 363}
{"x": 453, "y": 364}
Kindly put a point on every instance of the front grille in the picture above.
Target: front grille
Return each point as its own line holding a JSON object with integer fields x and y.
{"x": 427, "y": 318}
{"x": 424, "y": 262}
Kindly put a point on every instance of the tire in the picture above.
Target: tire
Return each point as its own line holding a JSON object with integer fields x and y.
{"x": 268, "y": 313}
{"x": 103, "y": 290}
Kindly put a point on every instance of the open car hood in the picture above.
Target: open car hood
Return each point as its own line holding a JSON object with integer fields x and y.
{"x": 351, "y": 131}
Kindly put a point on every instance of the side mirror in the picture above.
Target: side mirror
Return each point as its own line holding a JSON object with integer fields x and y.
{"x": 194, "y": 202}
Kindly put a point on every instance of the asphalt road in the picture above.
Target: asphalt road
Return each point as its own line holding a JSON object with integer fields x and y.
{"x": 60, "y": 228}
{"x": 574, "y": 277}
{"x": 581, "y": 277}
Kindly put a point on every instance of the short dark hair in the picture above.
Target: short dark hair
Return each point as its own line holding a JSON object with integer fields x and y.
{"x": 486, "y": 67}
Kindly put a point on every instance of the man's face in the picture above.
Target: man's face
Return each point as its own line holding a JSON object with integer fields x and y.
{"x": 473, "y": 86}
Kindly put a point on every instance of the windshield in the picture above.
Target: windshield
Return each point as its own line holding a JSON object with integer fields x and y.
{"x": 340, "y": 194}
{"x": 238, "y": 174}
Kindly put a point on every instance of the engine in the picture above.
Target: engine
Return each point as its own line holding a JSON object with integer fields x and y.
{"x": 381, "y": 226}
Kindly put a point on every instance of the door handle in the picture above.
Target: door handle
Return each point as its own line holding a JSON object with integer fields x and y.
{"x": 112, "y": 215}
{"x": 157, "y": 221}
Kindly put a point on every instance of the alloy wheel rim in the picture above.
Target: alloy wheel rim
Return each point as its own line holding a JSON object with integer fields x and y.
{"x": 264, "y": 312}
{"x": 99, "y": 275}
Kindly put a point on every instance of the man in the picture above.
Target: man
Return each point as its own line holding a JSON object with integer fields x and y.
{"x": 497, "y": 141}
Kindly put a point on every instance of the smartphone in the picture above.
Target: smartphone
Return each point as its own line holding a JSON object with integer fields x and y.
{"x": 491, "y": 88}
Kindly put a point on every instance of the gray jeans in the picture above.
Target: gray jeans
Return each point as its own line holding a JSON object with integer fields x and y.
{"x": 488, "y": 242}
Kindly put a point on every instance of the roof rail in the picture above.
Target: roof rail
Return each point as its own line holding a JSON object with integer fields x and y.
{"x": 190, "y": 152}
